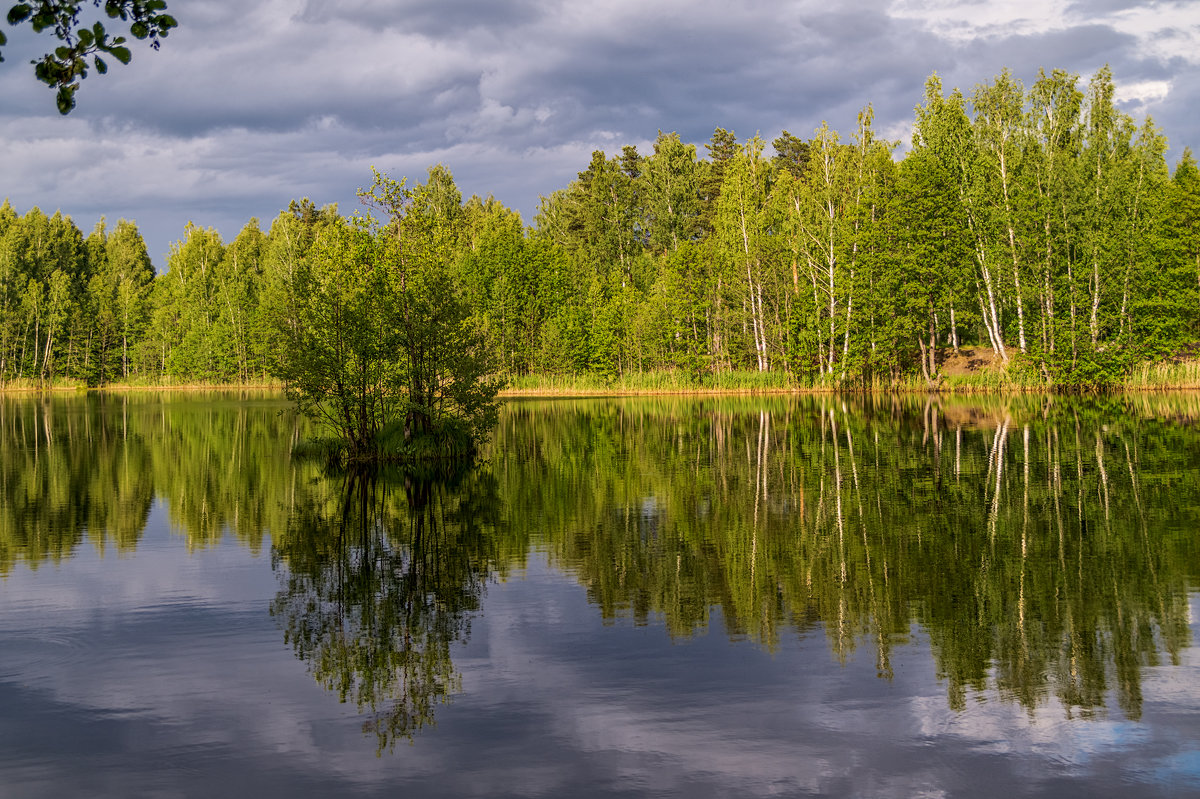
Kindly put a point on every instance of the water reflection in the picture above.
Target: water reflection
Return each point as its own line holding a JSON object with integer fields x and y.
{"x": 69, "y": 470}
{"x": 381, "y": 572}
{"x": 1045, "y": 547}
{"x": 87, "y": 467}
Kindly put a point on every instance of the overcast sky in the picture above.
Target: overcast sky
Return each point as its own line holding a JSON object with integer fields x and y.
{"x": 250, "y": 105}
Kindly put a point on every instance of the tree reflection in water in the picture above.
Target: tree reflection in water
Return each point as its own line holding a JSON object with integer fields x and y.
{"x": 381, "y": 572}
{"x": 70, "y": 472}
{"x": 1045, "y": 547}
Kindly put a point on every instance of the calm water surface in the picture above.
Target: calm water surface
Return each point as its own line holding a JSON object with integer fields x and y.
{"x": 653, "y": 597}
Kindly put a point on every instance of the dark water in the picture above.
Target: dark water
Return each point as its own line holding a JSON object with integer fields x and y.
{"x": 717, "y": 597}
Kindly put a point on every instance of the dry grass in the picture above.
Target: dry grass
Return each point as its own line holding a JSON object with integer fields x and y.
{"x": 658, "y": 382}
{"x": 192, "y": 386}
{"x": 973, "y": 370}
{"x": 1166, "y": 376}
{"x": 24, "y": 385}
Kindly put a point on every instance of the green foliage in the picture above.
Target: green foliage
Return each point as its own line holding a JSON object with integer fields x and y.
{"x": 1092, "y": 370}
{"x": 671, "y": 188}
{"x": 121, "y": 292}
{"x": 323, "y": 449}
{"x": 448, "y": 440}
{"x": 375, "y": 341}
{"x": 335, "y": 357}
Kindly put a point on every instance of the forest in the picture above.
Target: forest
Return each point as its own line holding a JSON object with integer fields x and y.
{"x": 1040, "y": 225}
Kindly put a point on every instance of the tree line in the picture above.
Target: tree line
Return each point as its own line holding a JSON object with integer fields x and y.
{"x": 1041, "y": 223}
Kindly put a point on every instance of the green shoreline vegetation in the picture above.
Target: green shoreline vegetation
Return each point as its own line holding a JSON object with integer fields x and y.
{"x": 1170, "y": 375}
{"x": 1183, "y": 376}
{"x": 1039, "y": 228}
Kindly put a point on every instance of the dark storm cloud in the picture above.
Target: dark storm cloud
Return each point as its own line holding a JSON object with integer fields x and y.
{"x": 1080, "y": 50}
{"x": 1089, "y": 7}
{"x": 707, "y": 72}
{"x": 308, "y": 72}
{"x": 1178, "y": 119}
{"x": 1074, "y": 50}
{"x": 434, "y": 18}
{"x": 643, "y": 78}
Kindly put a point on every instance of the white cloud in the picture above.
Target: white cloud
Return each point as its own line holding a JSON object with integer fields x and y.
{"x": 1164, "y": 30}
{"x": 962, "y": 22}
{"x": 1143, "y": 93}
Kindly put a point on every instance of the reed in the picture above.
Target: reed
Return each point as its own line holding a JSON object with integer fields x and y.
{"x": 665, "y": 381}
{"x": 1016, "y": 378}
{"x": 989, "y": 381}
{"x": 168, "y": 383}
{"x": 24, "y": 384}
{"x": 1166, "y": 375}
{"x": 556, "y": 384}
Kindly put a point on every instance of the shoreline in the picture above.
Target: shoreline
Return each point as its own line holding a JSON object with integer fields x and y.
{"x": 970, "y": 371}
{"x": 601, "y": 393}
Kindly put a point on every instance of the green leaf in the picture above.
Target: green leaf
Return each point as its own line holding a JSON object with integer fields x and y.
{"x": 19, "y": 13}
{"x": 101, "y": 67}
{"x": 140, "y": 30}
{"x": 166, "y": 21}
{"x": 66, "y": 99}
{"x": 122, "y": 54}
{"x": 3, "y": 41}
{"x": 85, "y": 37}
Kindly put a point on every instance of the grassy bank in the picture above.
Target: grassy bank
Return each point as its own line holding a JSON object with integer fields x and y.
{"x": 741, "y": 383}
{"x": 969, "y": 375}
{"x": 38, "y": 387}
{"x": 191, "y": 385}
{"x": 664, "y": 382}
{"x": 1172, "y": 375}
{"x": 25, "y": 386}
{"x": 974, "y": 372}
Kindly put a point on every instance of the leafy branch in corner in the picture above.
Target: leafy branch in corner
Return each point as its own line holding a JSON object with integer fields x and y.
{"x": 83, "y": 46}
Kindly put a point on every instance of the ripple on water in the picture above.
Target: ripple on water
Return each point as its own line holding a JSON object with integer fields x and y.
{"x": 32, "y": 652}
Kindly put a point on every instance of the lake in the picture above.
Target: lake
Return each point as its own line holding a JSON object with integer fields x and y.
{"x": 716, "y": 596}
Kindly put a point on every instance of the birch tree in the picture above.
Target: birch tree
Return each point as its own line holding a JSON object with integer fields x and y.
{"x": 742, "y": 229}
{"x": 1000, "y": 131}
{"x": 943, "y": 127}
{"x": 1055, "y": 103}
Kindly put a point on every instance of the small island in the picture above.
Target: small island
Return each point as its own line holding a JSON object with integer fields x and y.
{"x": 375, "y": 343}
